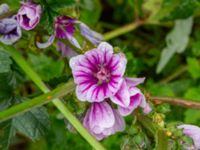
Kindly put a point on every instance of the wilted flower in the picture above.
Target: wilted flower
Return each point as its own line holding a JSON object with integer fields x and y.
{"x": 101, "y": 120}
{"x": 98, "y": 73}
{"x": 10, "y": 30}
{"x": 129, "y": 97}
{"x": 28, "y": 15}
{"x": 193, "y": 132}
{"x": 64, "y": 29}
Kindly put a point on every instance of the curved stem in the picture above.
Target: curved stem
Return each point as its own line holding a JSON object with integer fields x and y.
{"x": 57, "y": 102}
{"x": 35, "y": 102}
{"x": 176, "y": 101}
{"x": 122, "y": 30}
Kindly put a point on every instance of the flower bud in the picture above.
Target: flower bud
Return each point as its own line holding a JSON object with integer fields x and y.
{"x": 28, "y": 15}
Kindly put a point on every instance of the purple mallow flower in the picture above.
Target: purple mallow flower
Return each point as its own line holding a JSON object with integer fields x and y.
{"x": 64, "y": 29}
{"x": 101, "y": 120}
{"x": 193, "y": 132}
{"x": 99, "y": 77}
{"x": 129, "y": 97}
{"x": 98, "y": 73}
{"x": 28, "y": 15}
{"x": 10, "y": 30}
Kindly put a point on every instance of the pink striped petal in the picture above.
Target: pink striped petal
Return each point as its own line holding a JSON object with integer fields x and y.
{"x": 101, "y": 120}
{"x": 122, "y": 97}
{"x": 100, "y": 70}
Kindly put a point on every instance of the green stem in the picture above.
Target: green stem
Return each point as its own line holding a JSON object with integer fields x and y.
{"x": 161, "y": 140}
{"x": 35, "y": 102}
{"x": 147, "y": 123}
{"x": 122, "y": 30}
{"x": 155, "y": 131}
{"x": 57, "y": 102}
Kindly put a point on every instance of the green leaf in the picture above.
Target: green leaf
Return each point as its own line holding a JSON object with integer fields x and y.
{"x": 192, "y": 116}
{"x": 196, "y": 48}
{"x": 5, "y": 62}
{"x": 193, "y": 67}
{"x": 6, "y": 134}
{"x": 160, "y": 89}
{"x": 193, "y": 93}
{"x": 33, "y": 124}
{"x": 46, "y": 67}
{"x": 183, "y": 10}
{"x": 7, "y": 85}
{"x": 176, "y": 41}
{"x": 176, "y": 9}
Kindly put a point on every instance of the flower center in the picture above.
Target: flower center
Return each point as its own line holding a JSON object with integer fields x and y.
{"x": 103, "y": 75}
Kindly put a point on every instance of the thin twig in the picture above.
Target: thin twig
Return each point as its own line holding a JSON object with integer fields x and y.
{"x": 122, "y": 30}
{"x": 173, "y": 76}
{"x": 176, "y": 101}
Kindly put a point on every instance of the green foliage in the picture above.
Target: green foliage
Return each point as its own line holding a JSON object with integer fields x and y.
{"x": 192, "y": 93}
{"x": 193, "y": 67}
{"x": 160, "y": 89}
{"x": 61, "y": 3}
{"x": 176, "y": 41}
{"x": 5, "y": 62}
{"x": 176, "y": 9}
{"x": 46, "y": 67}
{"x": 6, "y": 134}
{"x": 33, "y": 124}
{"x": 183, "y": 9}
{"x": 8, "y": 81}
{"x": 60, "y": 139}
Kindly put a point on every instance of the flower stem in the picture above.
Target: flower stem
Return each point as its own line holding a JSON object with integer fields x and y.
{"x": 161, "y": 140}
{"x": 37, "y": 101}
{"x": 57, "y": 102}
{"x": 122, "y": 30}
{"x": 155, "y": 131}
{"x": 147, "y": 123}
